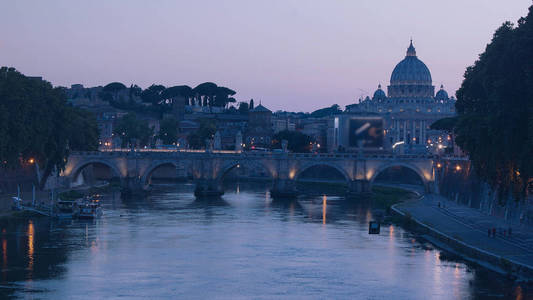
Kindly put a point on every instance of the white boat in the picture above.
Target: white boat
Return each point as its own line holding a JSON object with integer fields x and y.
{"x": 89, "y": 208}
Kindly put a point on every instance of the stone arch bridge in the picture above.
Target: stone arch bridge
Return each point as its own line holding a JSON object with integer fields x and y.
{"x": 135, "y": 168}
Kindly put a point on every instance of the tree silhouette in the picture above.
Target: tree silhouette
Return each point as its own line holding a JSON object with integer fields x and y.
{"x": 495, "y": 109}
{"x": 36, "y": 122}
{"x": 168, "y": 131}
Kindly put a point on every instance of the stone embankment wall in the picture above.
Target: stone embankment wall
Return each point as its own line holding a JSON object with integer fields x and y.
{"x": 458, "y": 181}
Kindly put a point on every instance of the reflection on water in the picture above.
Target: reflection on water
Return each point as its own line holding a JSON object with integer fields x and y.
{"x": 31, "y": 232}
{"x": 243, "y": 245}
{"x": 324, "y": 208}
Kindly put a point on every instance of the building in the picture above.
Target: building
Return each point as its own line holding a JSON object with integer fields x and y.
{"x": 317, "y": 129}
{"x": 282, "y": 123}
{"x": 259, "y": 130}
{"x": 408, "y": 108}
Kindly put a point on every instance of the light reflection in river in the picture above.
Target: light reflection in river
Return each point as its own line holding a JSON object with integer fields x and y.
{"x": 4, "y": 255}
{"x": 324, "y": 208}
{"x": 31, "y": 249}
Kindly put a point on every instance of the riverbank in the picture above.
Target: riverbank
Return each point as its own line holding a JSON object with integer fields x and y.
{"x": 445, "y": 227}
{"x": 7, "y": 214}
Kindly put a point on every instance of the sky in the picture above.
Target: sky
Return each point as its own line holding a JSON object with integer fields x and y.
{"x": 295, "y": 55}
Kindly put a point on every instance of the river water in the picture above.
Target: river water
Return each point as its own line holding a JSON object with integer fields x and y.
{"x": 243, "y": 246}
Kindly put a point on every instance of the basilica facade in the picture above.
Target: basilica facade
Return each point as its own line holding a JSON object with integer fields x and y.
{"x": 409, "y": 107}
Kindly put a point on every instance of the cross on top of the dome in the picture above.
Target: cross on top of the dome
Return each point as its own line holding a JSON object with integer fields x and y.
{"x": 411, "y": 50}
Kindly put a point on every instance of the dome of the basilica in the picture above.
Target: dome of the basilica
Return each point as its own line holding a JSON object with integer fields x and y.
{"x": 411, "y": 70}
{"x": 441, "y": 94}
{"x": 379, "y": 94}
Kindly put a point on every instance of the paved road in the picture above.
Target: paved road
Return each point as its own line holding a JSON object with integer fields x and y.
{"x": 470, "y": 226}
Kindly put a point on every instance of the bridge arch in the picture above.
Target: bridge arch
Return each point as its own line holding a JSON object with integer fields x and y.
{"x": 147, "y": 175}
{"x": 307, "y": 167}
{"x": 409, "y": 166}
{"x": 74, "y": 174}
{"x": 246, "y": 164}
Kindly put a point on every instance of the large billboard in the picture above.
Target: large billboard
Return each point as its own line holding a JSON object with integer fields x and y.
{"x": 366, "y": 132}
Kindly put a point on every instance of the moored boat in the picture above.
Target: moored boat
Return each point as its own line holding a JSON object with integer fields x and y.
{"x": 89, "y": 208}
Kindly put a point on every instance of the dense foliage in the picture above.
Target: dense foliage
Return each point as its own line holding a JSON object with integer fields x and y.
{"x": 36, "y": 124}
{"x": 153, "y": 94}
{"x": 162, "y": 99}
{"x": 328, "y": 111}
{"x": 495, "y": 108}
{"x": 133, "y": 131}
{"x": 297, "y": 141}
{"x": 197, "y": 139}
{"x": 445, "y": 124}
{"x": 168, "y": 131}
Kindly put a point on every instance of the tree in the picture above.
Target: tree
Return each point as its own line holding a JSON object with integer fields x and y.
{"x": 495, "y": 110}
{"x": 328, "y": 111}
{"x": 133, "y": 131}
{"x": 206, "y": 130}
{"x": 135, "y": 91}
{"x": 114, "y": 88}
{"x": 83, "y": 131}
{"x": 445, "y": 124}
{"x": 221, "y": 98}
{"x": 36, "y": 122}
{"x": 297, "y": 141}
{"x": 168, "y": 131}
{"x": 153, "y": 94}
{"x": 251, "y": 106}
{"x": 205, "y": 92}
{"x": 171, "y": 93}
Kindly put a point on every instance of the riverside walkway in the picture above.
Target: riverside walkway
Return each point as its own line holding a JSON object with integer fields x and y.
{"x": 467, "y": 229}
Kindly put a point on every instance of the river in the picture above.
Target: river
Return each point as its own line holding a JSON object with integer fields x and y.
{"x": 243, "y": 246}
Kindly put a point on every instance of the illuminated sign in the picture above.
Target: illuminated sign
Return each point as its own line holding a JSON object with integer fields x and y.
{"x": 366, "y": 133}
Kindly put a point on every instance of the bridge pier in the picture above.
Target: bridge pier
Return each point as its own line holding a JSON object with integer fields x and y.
{"x": 208, "y": 188}
{"x": 284, "y": 189}
{"x": 131, "y": 186}
{"x": 358, "y": 187}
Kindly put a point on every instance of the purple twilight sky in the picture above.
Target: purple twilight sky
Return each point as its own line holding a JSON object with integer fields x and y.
{"x": 296, "y": 55}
